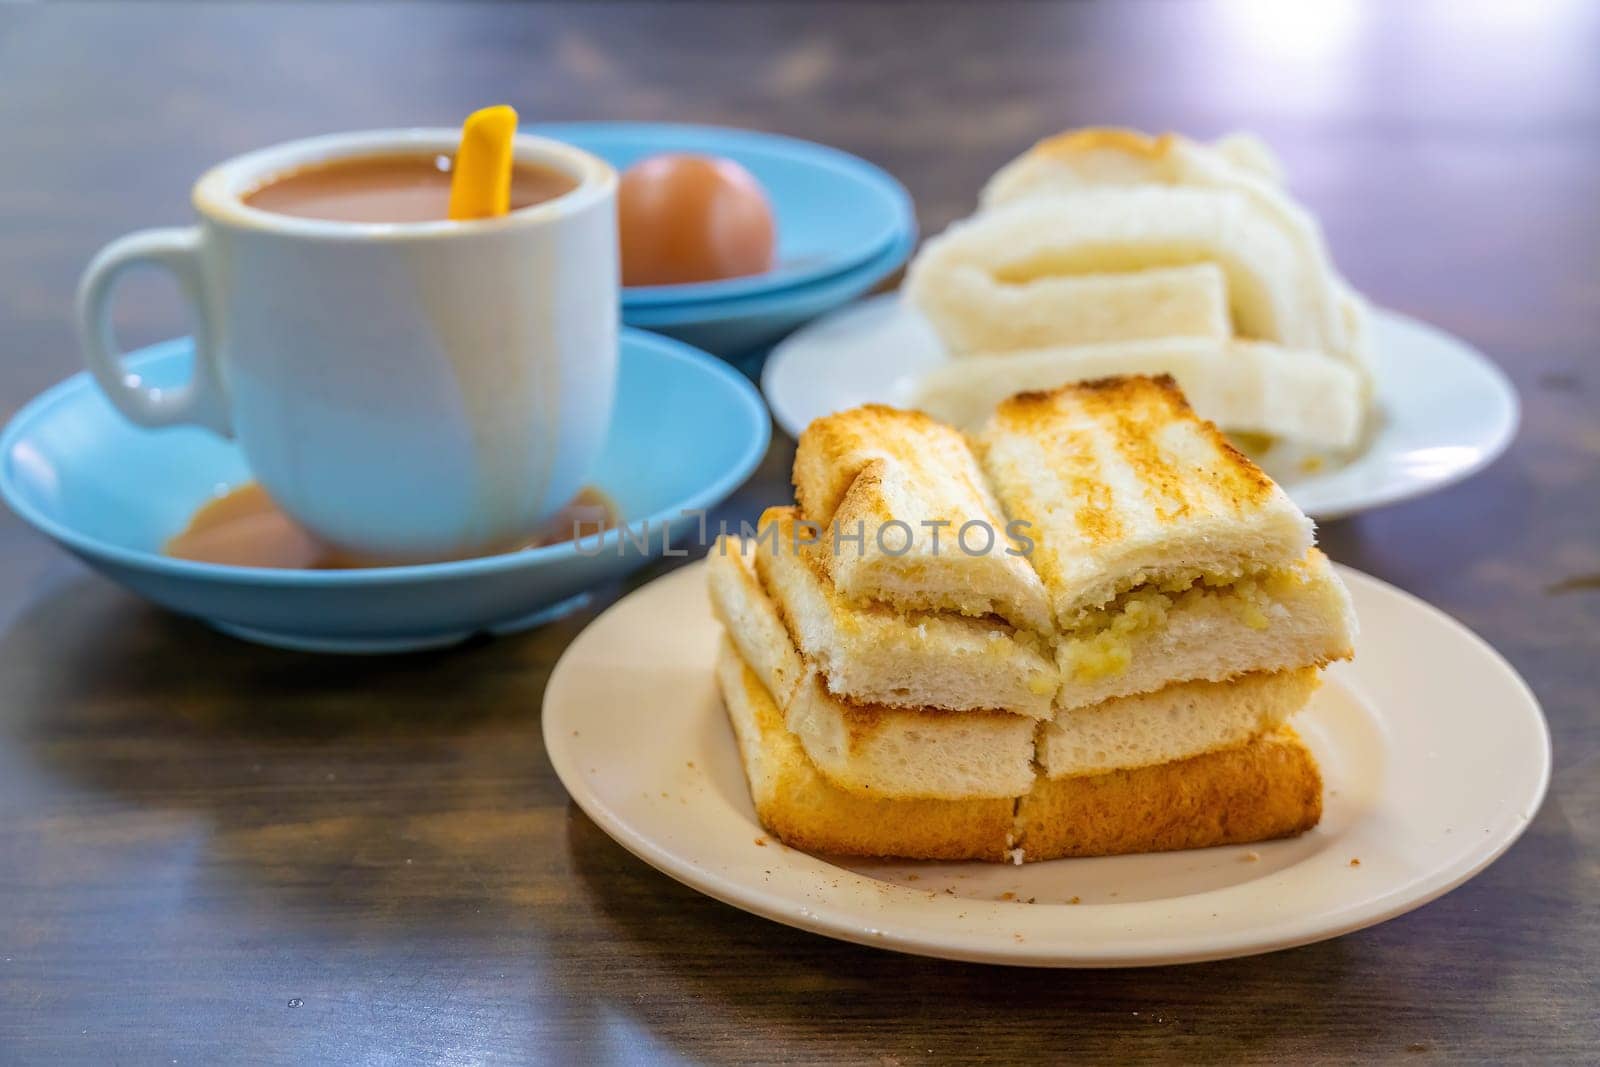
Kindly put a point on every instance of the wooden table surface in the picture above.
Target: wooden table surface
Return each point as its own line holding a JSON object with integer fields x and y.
{"x": 214, "y": 852}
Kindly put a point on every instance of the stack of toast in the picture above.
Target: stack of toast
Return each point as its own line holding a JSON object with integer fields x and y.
{"x": 1079, "y": 632}
{"x": 1105, "y": 251}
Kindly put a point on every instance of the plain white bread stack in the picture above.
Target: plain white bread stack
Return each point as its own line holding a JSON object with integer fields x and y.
{"x": 1105, "y": 251}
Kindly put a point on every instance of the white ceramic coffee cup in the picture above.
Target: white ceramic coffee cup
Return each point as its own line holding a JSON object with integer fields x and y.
{"x": 407, "y": 391}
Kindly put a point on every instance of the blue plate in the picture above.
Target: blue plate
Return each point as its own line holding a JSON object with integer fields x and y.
{"x": 834, "y": 211}
{"x": 734, "y": 328}
{"x": 688, "y": 430}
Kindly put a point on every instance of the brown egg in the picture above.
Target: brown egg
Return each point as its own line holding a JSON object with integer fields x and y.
{"x": 692, "y": 219}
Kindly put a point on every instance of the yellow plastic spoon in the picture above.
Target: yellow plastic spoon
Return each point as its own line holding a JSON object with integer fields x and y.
{"x": 481, "y": 185}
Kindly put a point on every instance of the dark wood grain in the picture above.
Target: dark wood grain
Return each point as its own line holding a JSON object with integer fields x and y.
{"x": 211, "y": 852}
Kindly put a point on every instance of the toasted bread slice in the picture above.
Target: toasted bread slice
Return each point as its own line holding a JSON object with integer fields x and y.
{"x": 741, "y": 605}
{"x": 1278, "y": 288}
{"x": 976, "y": 314}
{"x": 1176, "y": 722}
{"x": 874, "y": 654}
{"x": 1253, "y": 387}
{"x": 912, "y": 752}
{"x": 897, "y": 752}
{"x": 1265, "y": 789}
{"x": 795, "y": 802}
{"x": 1299, "y": 616}
{"x": 1121, "y": 487}
{"x": 908, "y": 519}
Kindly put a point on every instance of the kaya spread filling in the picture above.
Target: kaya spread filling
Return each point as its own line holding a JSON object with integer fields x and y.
{"x": 1101, "y": 642}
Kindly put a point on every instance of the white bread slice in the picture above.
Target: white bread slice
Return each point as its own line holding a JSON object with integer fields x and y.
{"x": 898, "y": 752}
{"x": 1251, "y": 154}
{"x": 806, "y": 811}
{"x": 1175, "y": 722}
{"x": 1300, "y": 616}
{"x": 1360, "y": 347}
{"x": 1121, "y": 486}
{"x": 976, "y": 314}
{"x": 1267, "y": 788}
{"x": 912, "y": 752}
{"x": 1251, "y": 387}
{"x": 869, "y": 653}
{"x": 1095, "y": 158}
{"x": 1278, "y": 288}
{"x": 859, "y": 471}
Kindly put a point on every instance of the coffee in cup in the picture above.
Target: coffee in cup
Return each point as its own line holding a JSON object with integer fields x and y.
{"x": 399, "y": 187}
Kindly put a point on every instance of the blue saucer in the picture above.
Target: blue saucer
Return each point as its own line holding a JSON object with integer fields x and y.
{"x": 834, "y": 211}
{"x": 688, "y": 430}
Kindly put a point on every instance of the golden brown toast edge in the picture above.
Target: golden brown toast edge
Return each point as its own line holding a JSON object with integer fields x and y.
{"x": 834, "y": 450}
{"x": 806, "y": 811}
{"x": 1266, "y": 789}
{"x": 1130, "y": 410}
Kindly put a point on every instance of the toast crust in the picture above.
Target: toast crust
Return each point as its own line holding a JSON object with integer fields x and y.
{"x": 1090, "y": 138}
{"x": 1134, "y": 410}
{"x": 1268, "y": 788}
{"x": 751, "y": 620}
{"x": 834, "y": 450}
{"x": 875, "y": 751}
{"x": 859, "y": 471}
{"x": 806, "y": 811}
{"x": 1265, "y": 789}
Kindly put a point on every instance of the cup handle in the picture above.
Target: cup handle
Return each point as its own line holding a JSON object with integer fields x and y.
{"x": 200, "y": 401}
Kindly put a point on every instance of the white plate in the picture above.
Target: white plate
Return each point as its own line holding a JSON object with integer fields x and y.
{"x": 1446, "y": 410}
{"x": 1434, "y": 754}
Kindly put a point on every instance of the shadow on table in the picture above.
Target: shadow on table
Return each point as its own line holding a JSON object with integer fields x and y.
{"x": 117, "y": 663}
{"x": 300, "y": 786}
